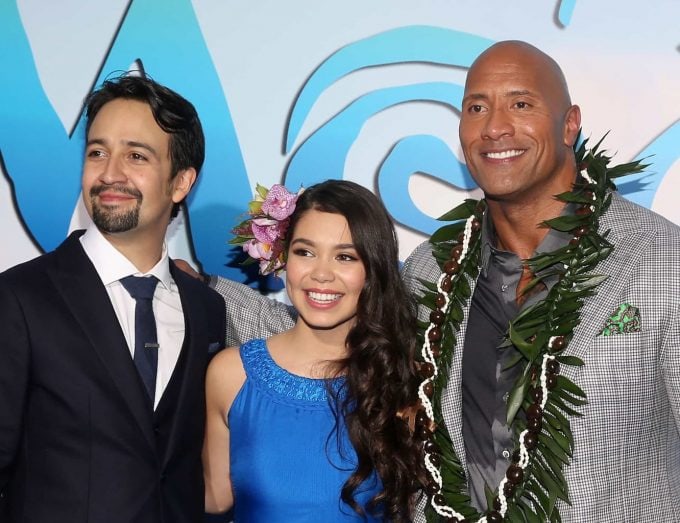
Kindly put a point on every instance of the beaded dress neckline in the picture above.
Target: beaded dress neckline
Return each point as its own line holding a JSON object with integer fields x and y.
{"x": 267, "y": 374}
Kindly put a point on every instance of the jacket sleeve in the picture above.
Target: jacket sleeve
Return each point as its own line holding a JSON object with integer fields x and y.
{"x": 14, "y": 367}
{"x": 420, "y": 266}
{"x": 249, "y": 314}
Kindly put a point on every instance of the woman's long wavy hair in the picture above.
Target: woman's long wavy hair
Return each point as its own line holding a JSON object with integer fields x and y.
{"x": 380, "y": 376}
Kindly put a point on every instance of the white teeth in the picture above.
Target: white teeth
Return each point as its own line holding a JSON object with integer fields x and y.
{"x": 324, "y": 297}
{"x": 502, "y": 155}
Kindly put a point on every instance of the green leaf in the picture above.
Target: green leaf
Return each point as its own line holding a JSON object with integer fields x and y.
{"x": 590, "y": 282}
{"x": 456, "y": 313}
{"x": 625, "y": 169}
{"x": 555, "y": 422}
{"x": 546, "y": 480}
{"x": 255, "y": 207}
{"x": 461, "y": 212}
{"x": 565, "y": 383}
{"x": 566, "y": 223}
{"x": 558, "y": 438}
{"x": 552, "y": 449}
{"x": 528, "y": 349}
{"x": 569, "y": 398}
{"x": 464, "y": 287}
{"x": 531, "y": 312}
{"x": 535, "y": 491}
{"x": 513, "y": 360}
{"x": 560, "y": 403}
{"x": 531, "y": 510}
{"x": 432, "y": 287}
{"x": 513, "y": 514}
{"x": 574, "y": 197}
{"x": 238, "y": 241}
{"x": 517, "y": 394}
{"x": 427, "y": 300}
{"x": 447, "y": 233}
{"x": 261, "y": 191}
{"x": 570, "y": 360}
{"x": 567, "y": 305}
{"x": 549, "y": 482}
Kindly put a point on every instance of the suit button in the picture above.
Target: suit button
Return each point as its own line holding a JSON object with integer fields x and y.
{"x": 156, "y": 429}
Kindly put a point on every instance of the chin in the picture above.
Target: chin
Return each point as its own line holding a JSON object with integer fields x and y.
{"x": 328, "y": 324}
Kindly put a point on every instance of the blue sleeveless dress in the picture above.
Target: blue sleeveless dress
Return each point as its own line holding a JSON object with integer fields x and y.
{"x": 287, "y": 463}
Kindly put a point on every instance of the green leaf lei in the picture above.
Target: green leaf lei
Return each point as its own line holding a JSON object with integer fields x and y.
{"x": 543, "y": 439}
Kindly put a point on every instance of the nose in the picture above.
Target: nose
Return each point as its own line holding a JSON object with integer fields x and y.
{"x": 497, "y": 125}
{"x": 112, "y": 171}
{"x": 322, "y": 271}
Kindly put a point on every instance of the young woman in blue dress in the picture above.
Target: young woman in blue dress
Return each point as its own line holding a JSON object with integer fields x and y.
{"x": 307, "y": 425}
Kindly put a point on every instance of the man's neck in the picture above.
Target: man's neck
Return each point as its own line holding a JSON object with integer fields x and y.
{"x": 143, "y": 253}
{"x": 518, "y": 220}
{"x": 518, "y": 227}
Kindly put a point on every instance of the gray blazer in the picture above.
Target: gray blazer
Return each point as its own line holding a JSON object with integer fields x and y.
{"x": 626, "y": 463}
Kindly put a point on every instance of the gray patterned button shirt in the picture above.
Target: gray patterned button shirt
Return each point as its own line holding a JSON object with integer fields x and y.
{"x": 485, "y": 384}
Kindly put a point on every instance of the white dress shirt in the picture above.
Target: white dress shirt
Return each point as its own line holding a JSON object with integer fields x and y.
{"x": 112, "y": 266}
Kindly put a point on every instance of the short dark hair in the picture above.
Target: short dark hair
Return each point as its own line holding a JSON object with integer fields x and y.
{"x": 172, "y": 112}
{"x": 381, "y": 380}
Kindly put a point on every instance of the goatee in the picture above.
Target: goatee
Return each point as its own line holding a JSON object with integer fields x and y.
{"x": 111, "y": 220}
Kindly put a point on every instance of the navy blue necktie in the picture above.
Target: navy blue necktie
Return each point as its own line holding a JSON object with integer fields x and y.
{"x": 146, "y": 341}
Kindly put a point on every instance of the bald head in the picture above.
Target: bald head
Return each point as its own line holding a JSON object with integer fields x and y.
{"x": 527, "y": 58}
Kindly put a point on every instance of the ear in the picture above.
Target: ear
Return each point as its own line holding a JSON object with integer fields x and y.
{"x": 572, "y": 124}
{"x": 182, "y": 184}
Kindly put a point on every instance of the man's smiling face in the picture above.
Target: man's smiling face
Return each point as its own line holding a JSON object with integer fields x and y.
{"x": 517, "y": 125}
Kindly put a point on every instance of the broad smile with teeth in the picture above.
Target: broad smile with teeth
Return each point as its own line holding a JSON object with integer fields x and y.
{"x": 504, "y": 155}
{"x": 323, "y": 297}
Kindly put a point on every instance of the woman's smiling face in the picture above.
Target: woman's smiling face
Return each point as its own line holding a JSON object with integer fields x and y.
{"x": 324, "y": 274}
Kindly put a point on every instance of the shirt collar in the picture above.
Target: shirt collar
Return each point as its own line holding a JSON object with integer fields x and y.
{"x": 112, "y": 265}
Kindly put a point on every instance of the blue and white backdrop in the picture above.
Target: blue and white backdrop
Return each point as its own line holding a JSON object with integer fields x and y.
{"x": 297, "y": 91}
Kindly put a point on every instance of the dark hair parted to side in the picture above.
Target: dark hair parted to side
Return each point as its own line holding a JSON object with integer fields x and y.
{"x": 380, "y": 372}
{"x": 173, "y": 113}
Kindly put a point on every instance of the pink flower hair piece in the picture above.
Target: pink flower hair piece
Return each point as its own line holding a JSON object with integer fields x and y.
{"x": 262, "y": 235}
{"x": 279, "y": 203}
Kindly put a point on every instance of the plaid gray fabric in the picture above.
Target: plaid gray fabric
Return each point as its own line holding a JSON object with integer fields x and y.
{"x": 626, "y": 463}
{"x": 250, "y": 314}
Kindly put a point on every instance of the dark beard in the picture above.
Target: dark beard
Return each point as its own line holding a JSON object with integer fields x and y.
{"x": 111, "y": 220}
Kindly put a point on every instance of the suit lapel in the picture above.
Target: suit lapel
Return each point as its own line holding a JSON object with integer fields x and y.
{"x": 190, "y": 364}
{"x": 78, "y": 282}
{"x": 630, "y": 242}
{"x": 452, "y": 401}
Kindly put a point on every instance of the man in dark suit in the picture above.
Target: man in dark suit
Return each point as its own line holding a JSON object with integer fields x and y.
{"x": 102, "y": 409}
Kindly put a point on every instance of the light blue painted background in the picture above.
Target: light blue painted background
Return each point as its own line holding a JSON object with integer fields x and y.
{"x": 300, "y": 91}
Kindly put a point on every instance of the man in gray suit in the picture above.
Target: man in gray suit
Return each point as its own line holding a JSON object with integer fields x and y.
{"x": 518, "y": 128}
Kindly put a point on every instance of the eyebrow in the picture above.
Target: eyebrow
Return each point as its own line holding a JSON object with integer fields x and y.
{"x": 310, "y": 243}
{"x": 507, "y": 94}
{"x": 129, "y": 143}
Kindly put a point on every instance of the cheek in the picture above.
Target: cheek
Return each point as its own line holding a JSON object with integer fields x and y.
{"x": 293, "y": 275}
{"x": 356, "y": 281}
{"x": 86, "y": 184}
{"x": 88, "y": 176}
{"x": 465, "y": 135}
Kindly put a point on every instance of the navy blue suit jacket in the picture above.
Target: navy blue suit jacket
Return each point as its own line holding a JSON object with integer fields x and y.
{"x": 79, "y": 441}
